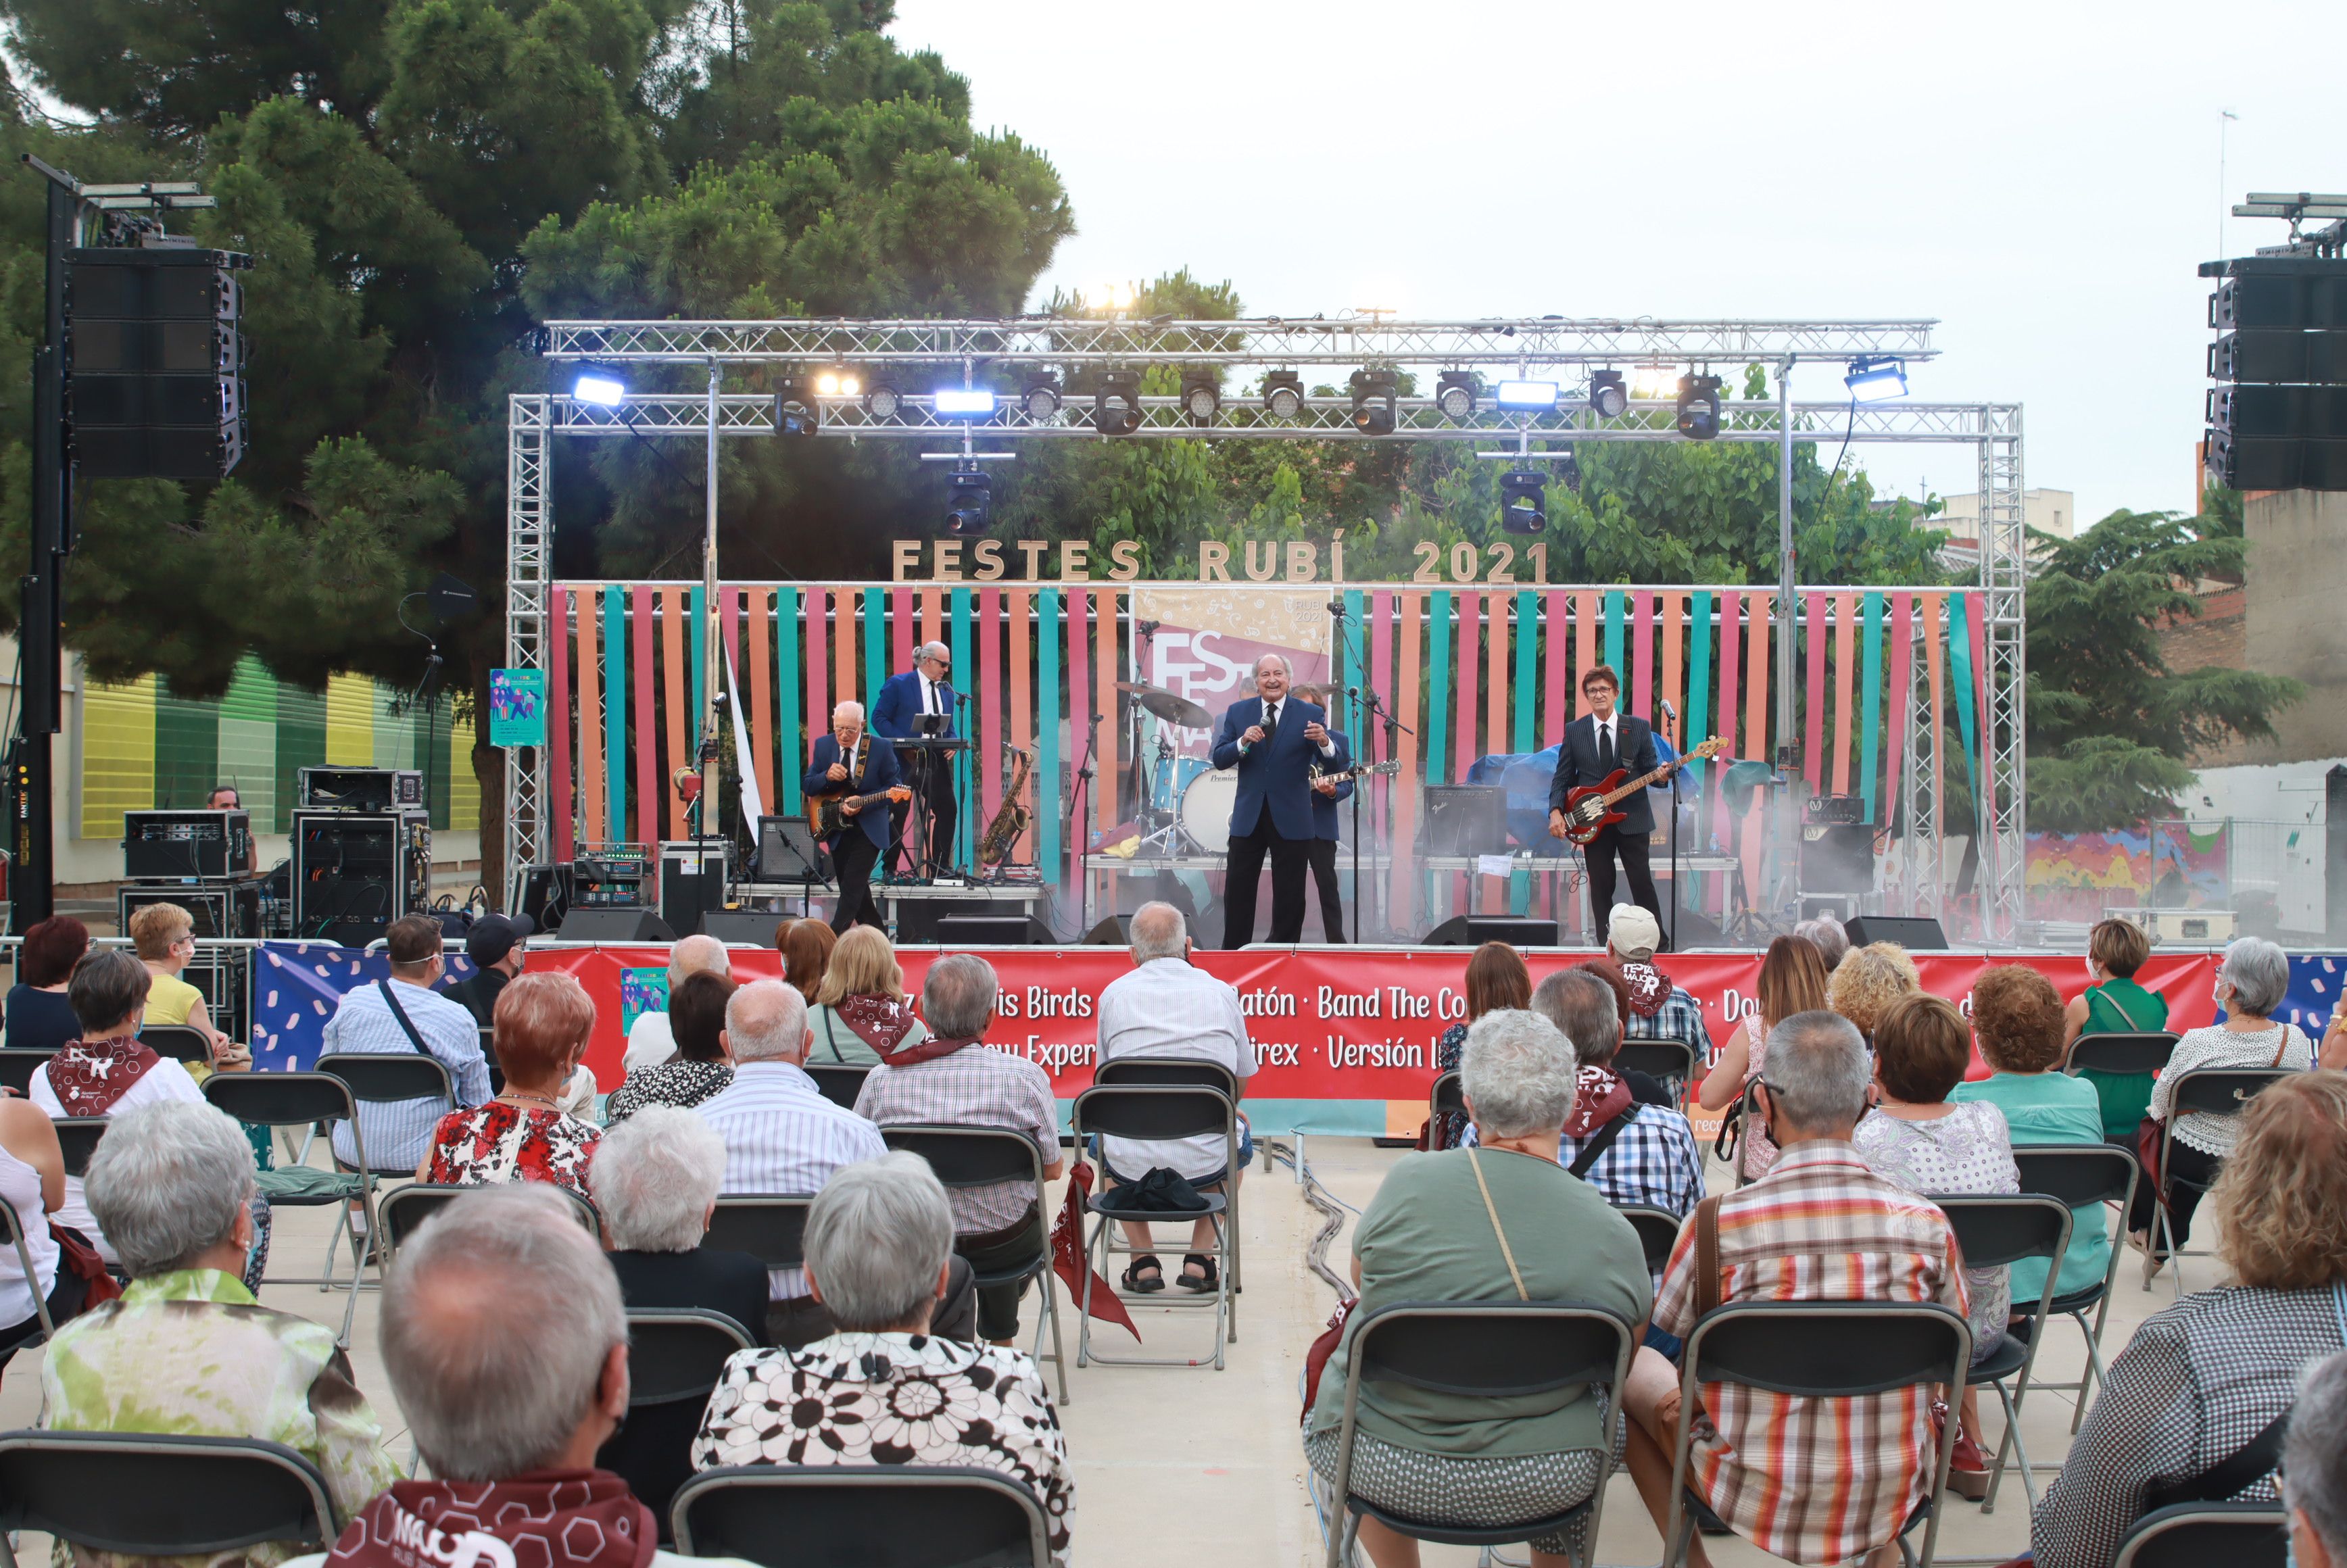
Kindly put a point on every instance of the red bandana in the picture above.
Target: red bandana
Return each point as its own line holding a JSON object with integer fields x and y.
{"x": 878, "y": 1021}
{"x": 1599, "y": 1096}
{"x": 929, "y": 1049}
{"x": 1649, "y": 988}
{"x": 89, "y": 1075}
{"x": 547, "y": 1518}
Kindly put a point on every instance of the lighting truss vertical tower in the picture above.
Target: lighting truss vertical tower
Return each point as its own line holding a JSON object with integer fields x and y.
{"x": 1918, "y": 788}
{"x": 2004, "y": 566}
{"x": 529, "y": 531}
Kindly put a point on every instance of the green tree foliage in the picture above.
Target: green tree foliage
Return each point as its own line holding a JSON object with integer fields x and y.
{"x": 2110, "y": 725}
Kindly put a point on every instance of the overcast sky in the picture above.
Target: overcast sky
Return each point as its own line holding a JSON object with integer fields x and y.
{"x": 2041, "y": 178}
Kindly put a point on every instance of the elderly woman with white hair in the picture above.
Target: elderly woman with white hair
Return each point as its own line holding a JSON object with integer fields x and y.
{"x": 655, "y": 1179}
{"x": 1499, "y": 1222}
{"x": 881, "y": 1389}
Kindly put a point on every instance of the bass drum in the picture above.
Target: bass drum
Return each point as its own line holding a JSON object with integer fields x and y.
{"x": 1206, "y": 804}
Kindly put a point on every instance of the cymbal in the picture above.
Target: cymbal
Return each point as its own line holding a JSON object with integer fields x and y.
{"x": 1167, "y": 706}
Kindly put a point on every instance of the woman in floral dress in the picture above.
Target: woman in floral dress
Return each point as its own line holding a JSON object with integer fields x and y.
{"x": 540, "y": 1027}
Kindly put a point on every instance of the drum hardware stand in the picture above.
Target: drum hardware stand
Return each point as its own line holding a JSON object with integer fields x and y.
{"x": 1165, "y": 838}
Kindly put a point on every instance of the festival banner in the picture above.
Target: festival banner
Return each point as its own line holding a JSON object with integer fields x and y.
{"x": 1202, "y": 643}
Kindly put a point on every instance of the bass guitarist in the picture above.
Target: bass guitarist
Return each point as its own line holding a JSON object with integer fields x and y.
{"x": 1595, "y": 745}
{"x": 849, "y": 762}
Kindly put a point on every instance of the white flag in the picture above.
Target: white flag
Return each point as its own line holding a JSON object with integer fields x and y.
{"x": 752, "y": 808}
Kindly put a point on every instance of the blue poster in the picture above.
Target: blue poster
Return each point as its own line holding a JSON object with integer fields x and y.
{"x": 517, "y": 707}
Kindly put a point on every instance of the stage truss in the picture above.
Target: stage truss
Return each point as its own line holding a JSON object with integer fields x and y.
{"x": 1566, "y": 348}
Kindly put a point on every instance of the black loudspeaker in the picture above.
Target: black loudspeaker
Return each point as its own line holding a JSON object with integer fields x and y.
{"x": 1466, "y": 819}
{"x": 546, "y": 896}
{"x": 618, "y": 926}
{"x": 1116, "y": 932}
{"x": 754, "y": 928}
{"x": 917, "y": 919}
{"x": 993, "y": 931}
{"x": 1474, "y": 931}
{"x": 1687, "y": 928}
{"x": 1837, "y": 859}
{"x": 1915, "y": 936}
{"x": 788, "y": 852}
{"x": 156, "y": 363}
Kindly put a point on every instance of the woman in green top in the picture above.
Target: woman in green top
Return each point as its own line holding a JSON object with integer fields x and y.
{"x": 2017, "y": 1024}
{"x": 1432, "y": 1233}
{"x": 2114, "y": 1004}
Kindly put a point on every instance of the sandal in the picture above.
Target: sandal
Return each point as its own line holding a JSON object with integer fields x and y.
{"x": 1143, "y": 1284}
{"x": 1202, "y": 1282}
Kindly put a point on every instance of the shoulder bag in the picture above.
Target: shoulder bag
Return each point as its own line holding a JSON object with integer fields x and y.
{"x": 400, "y": 1013}
{"x": 2147, "y": 1132}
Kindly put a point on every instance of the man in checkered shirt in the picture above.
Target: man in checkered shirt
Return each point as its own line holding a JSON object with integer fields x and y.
{"x": 1658, "y": 1009}
{"x": 949, "y": 1079}
{"x": 1651, "y": 1160}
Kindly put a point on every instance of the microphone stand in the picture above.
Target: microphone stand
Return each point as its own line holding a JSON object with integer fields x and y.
{"x": 1679, "y": 895}
{"x": 1356, "y": 725}
{"x": 1082, "y": 847}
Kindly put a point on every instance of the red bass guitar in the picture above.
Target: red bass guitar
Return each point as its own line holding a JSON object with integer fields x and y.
{"x": 1589, "y": 810}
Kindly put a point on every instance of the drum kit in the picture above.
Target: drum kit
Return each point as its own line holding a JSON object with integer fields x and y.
{"x": 1186, "y": 801}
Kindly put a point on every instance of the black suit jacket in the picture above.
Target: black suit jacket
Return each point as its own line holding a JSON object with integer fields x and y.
{"x": 707, "y": 1278}
{"x": 1576, "y": 767}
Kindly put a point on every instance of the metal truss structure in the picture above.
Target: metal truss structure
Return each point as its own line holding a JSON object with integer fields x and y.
{"x": 975, "y": 348}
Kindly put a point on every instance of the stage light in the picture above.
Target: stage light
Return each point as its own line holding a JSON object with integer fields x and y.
{"x": 1872, "y": 379}
{"x": 1650, "y": 381}
{"x": 1523, "y": 506}
{"x": 969, "y": 499}
{"x": 1454, "y": 393}
{"x": 599, "y": 387}
{"x": 1283, "y": 394}
{"x": 837, "y": 382}
{"x": 1202, "y": 396}
{"x": 1526, "y": 396}
{"x": 884, "y": 401}
{"x": 964, "y": 403}
{"x": 1039, "y": 399}
{"x": 795, "y": 411}
{"x": 1373, "y": 401}
{"x": 1699, "y": 407}
{"x": 1116, "y": 408}
{"x": 1608, "y": 397}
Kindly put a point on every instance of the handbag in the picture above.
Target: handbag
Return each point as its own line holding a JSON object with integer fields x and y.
{"x": 77, "y": 1257}
{"x": 2147, "y": 1132}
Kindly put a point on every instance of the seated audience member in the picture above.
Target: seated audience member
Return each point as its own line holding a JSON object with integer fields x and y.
{"x": 651, "y": 1040}
{"x": 1828, "y": 935}
{"x": 1868, "y": 981}
{"x": 506, "y": 1348}
{"x": 782, "y": 1136}
{"x": 1792, "y": 980}
{"x": 2017, "y": 1021}
{"x": 2314, "y": 1459}
{"x": 397, "y": 1017}
{"x": 186, "y": 1350}
{"x": 1635, "y": 1153}
{"x": 2116, "y": 1004}
{"x": 1658, "y": 1009}
{"x": 1497, "y": 982}
{"x": 696, "y": 1018}
{"x": 1644, "y": 1087}
{"x": 496, "y": 945}
{"x": 106, "y": 1072}
{"x": 1168, "y": 1008}
{"x": 39, "y": 1016}
{"x": 656, "y": 1179}
{"x": 1918, "y": 1139}
{"x": 33, "y": 1180}
{"x": 860, "y": 1011}
{"x": 2202, "y": 1377}
{"x": 1820, "y": 1226}
{"x": 2251, "y": 980}
{"x": 164, "y": 937}
{"x": 543, "y": 1022}
{"x": 806, "y": 946}
{"x": 1430, "y": 1236}
{"x": 882, "y": 1387}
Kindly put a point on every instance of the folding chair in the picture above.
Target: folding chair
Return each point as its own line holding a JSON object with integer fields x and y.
{"x": 152, "y": 1494}
{"x": 1158, "y": 1113}
{"x": 2127, "y": 1054}
{"x": 12, "y": 1234}
{"x": 404, "y": 1210}
{"x": 1672, "y": 1060}
{"x": 17, "y": 1066}
{"x": 2084, "y": 1175}
{"x": 1485, "y": 1349}
{"x": 490, "y": 1057}
{"x": 1181, "y": 1070}
{"x": 183, "y": 1043}
{"x": 769, "y": 1228}
{"x": 839, "y": 1081}
{"x": 1823, "y": 1350}
{"x": 1658, "y": 1232}
{"x": 383, "y": 1079}
{"x": 1446, "y": 1094}
{"x": 1995, "y": 1231}
{"x": 298, "y": 1100}
{"x": 965, "y": 1157}
{"x": 77, "y": 1139}
{"x": 2207, "y": 1091}
{"x": 2194, "y": 1535}
{"x": 886, "y": 1516}
{"x": 676, "y": 1360}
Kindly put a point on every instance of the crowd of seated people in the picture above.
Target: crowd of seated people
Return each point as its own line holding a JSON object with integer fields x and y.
{"x": 702, "y": 1065}
{"x": 650, "y": 1039}
{"x": 1793, "y": 976}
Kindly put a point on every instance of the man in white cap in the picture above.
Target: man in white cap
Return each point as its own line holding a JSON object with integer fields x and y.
{"x": 1658, "y": 1009}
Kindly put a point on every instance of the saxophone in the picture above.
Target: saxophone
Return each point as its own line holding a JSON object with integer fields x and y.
{"x": 1009, "y": 819}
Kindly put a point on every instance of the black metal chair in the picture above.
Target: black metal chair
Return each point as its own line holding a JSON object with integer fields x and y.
{"x": 146, "y": 1494}
{"x": 1996, "y": 1231}
{"x": 17, "y": 1066}
{"x": 1159, "y": 1112}
{"x": 1446, "y": 1093}
{"x": 2207, "y": 1091}
{"x": 2084, "y": 1175}
{"x": 1169, "y": 1070}
{"x": 183, "y": 1043}
{"x": 875, "y": 1516}
{"x": 769, "y": 1228}
{"x": 1496, "y": 1349}
{"x": 965, "y": 1157}
{"x": 839, "y": 1081}
{"x": 300, "y": 1100}
{"x": 2127, "y": 1054}
{"x": 1672, "y": 1060}
{"x": 489, "y": 1059}
{"x": 2195, "y": 1535}
{"x": 12, "y": 1234}
{"x": 77, "y": 1139}
{"x": 1823, "y": 1350}
{"x": 403, "y": 1210}
{"x": 675, "y": 1358}
{"x": 1658, "y": 1232}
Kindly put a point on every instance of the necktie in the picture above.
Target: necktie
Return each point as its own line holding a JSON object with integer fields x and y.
{"x": 1605, "y": 747}
{"x": 1270, "y": 719}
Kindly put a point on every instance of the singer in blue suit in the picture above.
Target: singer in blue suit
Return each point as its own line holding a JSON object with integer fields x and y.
{"x": 922, "y": 693}
{"x": 848, "y": 759}
{"x": 1273, "y": 739}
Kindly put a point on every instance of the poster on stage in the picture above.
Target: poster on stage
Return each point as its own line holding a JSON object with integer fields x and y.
{"x": 1203, "y": 643}
{"x": 517, "y": 707}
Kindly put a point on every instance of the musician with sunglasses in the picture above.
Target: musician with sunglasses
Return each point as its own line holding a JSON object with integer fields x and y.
{"x": 849, "y": 761}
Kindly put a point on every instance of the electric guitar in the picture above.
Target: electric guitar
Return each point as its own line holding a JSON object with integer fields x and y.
{"x": 1589, "y": 810}
{"x": 827, "y": 812}
{"x": 1362, "y": 771}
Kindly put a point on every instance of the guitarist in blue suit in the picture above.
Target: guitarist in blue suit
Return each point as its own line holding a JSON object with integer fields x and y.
{"x": 849, "y": 760}
{"x": 1273, "y": 739}
{"x": 922, "y": 693}
{"x": 1326, "y": 795}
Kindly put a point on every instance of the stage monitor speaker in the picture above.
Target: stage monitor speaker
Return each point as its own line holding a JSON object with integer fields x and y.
{"x": 1837, "y": 859}
{"x": 1466, "y": 819}
{"x": 1917, "y": 936}
{"x": 753, "y": 928}
{"x": 789, "y": 852}
{"x": 1691, "y": 928}
{"x": 616, "y": 926}
{"x": 1474, "y": 931}
{"x": 917, "y": 919}
{"x": 546, "y": 895}
{"x": 1116, "y": 932}
{"x": 691, "y": 881}
{"x": 993, "y": 931}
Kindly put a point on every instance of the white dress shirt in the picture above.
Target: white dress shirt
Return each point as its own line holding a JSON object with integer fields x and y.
{"x": 1271, "y": 719}
{"x": 932, "y": 701}
{"x": 784, "y": 1138}
{"x": 1170, "y": 1008}
{"x": 651, "y": 1042}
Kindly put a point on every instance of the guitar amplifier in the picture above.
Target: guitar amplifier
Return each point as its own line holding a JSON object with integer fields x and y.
{"x": 1833, "y": 810}
{"x": 691, "y": 881}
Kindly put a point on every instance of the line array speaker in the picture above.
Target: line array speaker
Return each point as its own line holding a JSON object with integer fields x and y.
{"x": 154, "y": 361}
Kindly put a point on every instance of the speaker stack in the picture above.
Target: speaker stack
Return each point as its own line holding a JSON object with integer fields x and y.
{"x": 362, "y": 853}
{"x": 2278, "y": 419}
